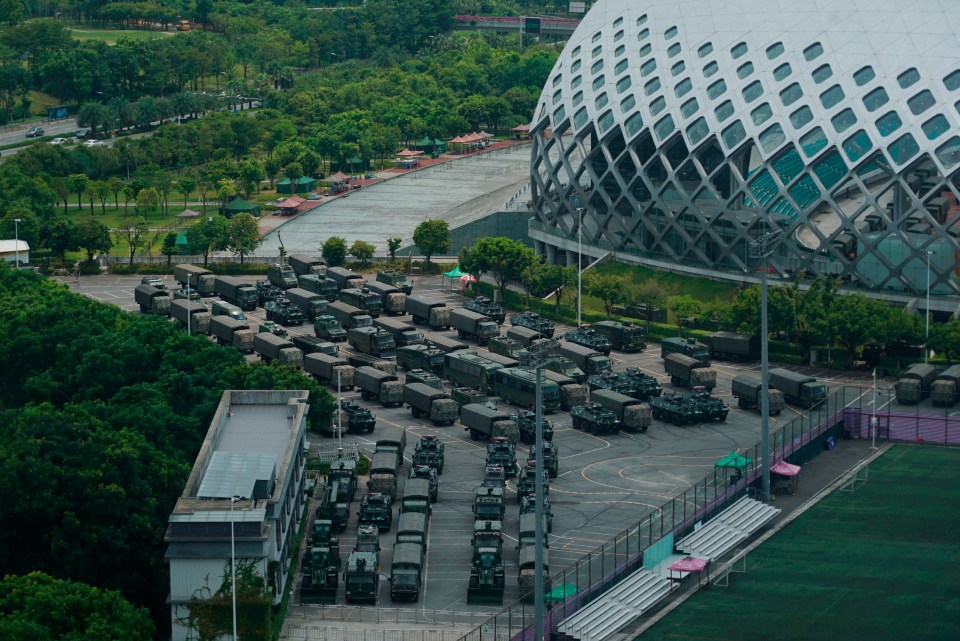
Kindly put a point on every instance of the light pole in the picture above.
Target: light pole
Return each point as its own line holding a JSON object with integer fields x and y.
{"x": 762, "y": 248}
{"x": 16, "y": 238}
{"x": 189, "y": 314}
{"x": 873, "y": 419}
{"x": 926, "y": 339}
{"x": 339, "y": 422}
{"x": 233, "y": 568}
{"x": 579, "y": 263}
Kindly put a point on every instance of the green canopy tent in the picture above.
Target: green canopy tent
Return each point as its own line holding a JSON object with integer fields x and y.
{"x": 457, "y": 277}
{"x": 438, "y": 146}
{"x": 351, "y": 165}
{"x": 734, "y": 460}
{"x": 182, "y": 244}
{"x": 305, "y": 184}
{"x": 560, "y": 593}
{"x": 241, "y": 206}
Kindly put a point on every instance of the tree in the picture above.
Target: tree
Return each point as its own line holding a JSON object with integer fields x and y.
{"x": 685, "y": 309}
{"x": 147, "y": 199}
{"x": 251, "y": 173}
{"x": 29, "y": 229}
{"x": 101, "y": 189}
{"x": 226, "y": 189}
{"x": 393, "y": 244}
{"x": 293, "y": 173}
{"x": 362, "y": 251}
{"x": 208, "y": 235}
{"x": 92, "y": 237}
{"x": 505, "y": 258}
{"x": 78, "y": 185}
{"x": 62, "y": 236}
{"x": 899, "y": 328}
{"x": 432, "y": 237}
{"x": 185, "y": 185}
{"x": 945, "y": 339}
{"x": 271, "y": 167}
{"x": 169, "y": 248}
{"x": 650, "y": 295}
{"x": 116, "y": 186}
{"x": 553, "y": 279}
{"x": 855, "y": 319}
{"x": 134, "y": 229}
{"x": 334, "y": 251}
{"x": 608, "y": 288}
{"x": 95, "y": 115}
{"x": 243, "y": 235}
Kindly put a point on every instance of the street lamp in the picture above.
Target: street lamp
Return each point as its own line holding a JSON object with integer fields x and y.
{"x": 537, "y": 356}
{"x": 926, "y": 339}
{"x": 16, "y": 238}
{"x": 874, "y": 423}
{"x": 579, "y": 263}
{"x": 761, "y": 248}
{"x": 233, "y": 568}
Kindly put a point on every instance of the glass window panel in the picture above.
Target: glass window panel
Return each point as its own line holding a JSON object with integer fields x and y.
{"x": 801, "y": 117}
{"x": 698, "y": 130}
{"x": 575, "y": 82}
{"x": 601, "y": 101}
{"x": 813, "y": 142}
{"x": 658, "y": 105}
{"x": 670, "y": 33}
{"x": 618, "y": 36}
{"x": 813, "y": 51}
{"x": 648, "y": 67}
{"x": 683, "y": 88}
{"x": 705, "y": 50}
{"x": 889, "y": 123}
{"x": 678, "y": 68}
{"x": 618, "y": 22}
{"x": 605, "y": 121}
{"x": 876, "y": 99}
{"x": 844, "y": 120}
{"x": 772, "y": 138}
{"x": 821, "y": 73}
{"x": 717, "y": 89}
{"x": 577, "y": 98}
{"x": 690, "y": 107}
{"x": 598, "y": 82}
{"x": 857, "y": 145}
{"x": 908, "y": 78}
{"x": 556, "y": 96}
{"x": 783, "y": 71}
{"x": 774, "y": 50}
{"x": 921, "y": 102}
{"x": 643, "y": 35}
{"x": 738, "y": 50}
{"x": 628, "y": 103}
{"x": 619, "y": 51}
{"x": 580, "y": 118}
{"x": 903, "y": 149}
{"x": 791, "y": 94}
{"x": 652, "y": 87}
{"x": 557, "y": 79}
{"x": 621, "y": 66}
{"x": 559, "y": 115}
{"x": 864, "y": 75}
{"x": 831, "y": 96}
{"x": 761, "y": 114}
{"x": 664, "y": 128}
{"x": 949, "y": 152}
{"x": 744, "y": 70}
{"x": 642, "y": 20}
{"x": 575, "y": 67}
{"x": 753, "y": 91}
{"x": 673, "y": 50}
{"x": 952, "y": 82}
{"x": 575, "y": 52}
{"x": 596, "y": 37}
{"x": 623, "y": 84}
{"x": 733, "y": 135}
{"x": 936, "y": 127}
{"x": 597, "y": 66}
{"x": 645, "y": 50}
{"x": 710, "y": 69}
{"x": 724, "y": 111}
{"x": 596, "y": 51}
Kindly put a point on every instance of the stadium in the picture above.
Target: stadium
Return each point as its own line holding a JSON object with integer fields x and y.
{"x": 680, "y": 131}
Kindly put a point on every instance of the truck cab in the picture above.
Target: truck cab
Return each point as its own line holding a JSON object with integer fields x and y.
{"x": 223, "y": 308}
{"x": 329, "y": 328}
{"x": 395, "y": 279}
{"x": 282, "y": 276}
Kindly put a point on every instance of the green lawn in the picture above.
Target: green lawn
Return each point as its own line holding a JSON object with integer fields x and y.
{"x": 110, "y": 36}
{"x": 703, "y": 289}
{"x": 876, "y": 564}
{"x": 113, "y": 217}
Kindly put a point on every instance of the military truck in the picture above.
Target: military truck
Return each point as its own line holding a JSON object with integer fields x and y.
{"x": 749, "y": 393}
{"x": 633, "y": 413}
{"x": 329, "y": 328}
{"x": 383, "y": 474}
{"x": 591, "y": 339}
{"x": 566, "y": 367}
{"x": 344, "y": 278}
{"x": 424, "y": 400}
{"x": 267, "y": 292}
{"x": 595, "y": 419}
{"x": 303, "y": 265}
{"x": 446, "y": 344}
{"x": 473, "y": 325}
{"x": 358, "y": 359}
{"x": 199, "y": 317}
{"x": 282, "y": 276}
{"x": 427, "y": 310}
{"x": 153, "y": 281}
{"x": 228, "y": 331}
{"x": 504, "y": 346}
{"x": 589, "y": 360}
{"x": 427, "y": 378}
{"x": 355, "y": 419}
{"x": 502, "y": 453}
{"x": 625, "y": 337}
{"x": 274, "y": 348}
{"x": 412, "y": 528}
{"x": 467, "y": 395}
{"x": 223, "y": 308}
{"x": 427, "y": 473}
{"x": 284, "y": 312}
{"x": 364, "y": 299}
{"x": 270, "y": 327}
{"x": 349, "y": 316}
{"x": 689, "y": 372}
{"x": 637, "y": 384}
{"x": 524, "y": 336}
{"x": 344, "y": 470}
{"x": 532, "y": 320}
{"x": 395, "y": 279}
{"x": 526, "y": 421}
{"x": 798, "y": 389}
{"x": 376, "y": 508}
{"x": 394, "y": 301}
{"x": 187, "y": 294}
{"x": 406, "y": 572}
{"x": 326, "y": 287}
{"x": 420, "y": 357}
{"x": 487, "y": 578}
{"x": 372, "y": 341}
{"x": 197, "y": 278}
{"x": 944, "y": 390}
{"x": 683, "y": 409}
{"x": 152, "y": 300}
{"x": 528, "y": 531}
{"x": 645, "y": 385}
{"x": 527, "y": 480}
{"x": 402, "y": 333}
{"x": 487, "y": 534}
{"x": 528, "y": 504}
{"x": 334, "y": 505}
{"x": 730, "y": 346}
{"x": 378, "y": 385}
{"x": 527, "y": 573}
{"x": 687, "y": 346}
{"x": 488, "y": 504}
{"x": 914, "y": 383}
{"x": 416, "y": 496}
{"x": 362, "y": 575}
{"x": 483, "y": 422}
{"x": 395, "y": 446}
{"x": 329, "y": 369}
{"x": 312, "y": 305}
{"x": 321, "y": 573}
{"x": 312, "y": 345}
{"x": 483, "y": 305}
{"x": 236, "y": 292}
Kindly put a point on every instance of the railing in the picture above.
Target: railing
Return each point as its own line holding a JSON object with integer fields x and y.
{"x": 407, "y": 616}
{"x": 332, "y": 633}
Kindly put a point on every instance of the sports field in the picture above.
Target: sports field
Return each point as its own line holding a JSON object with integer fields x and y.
{"x": 881, "y": 562}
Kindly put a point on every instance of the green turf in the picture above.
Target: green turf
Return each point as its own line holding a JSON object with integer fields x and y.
{"x": 110, "y": 36}
{"x": 876, "y": 564}
{"x": 703, "y": 289}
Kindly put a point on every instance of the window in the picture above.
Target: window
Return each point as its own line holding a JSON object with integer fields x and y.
{"x": 761, "y": 114}
{"x": 642, "y": 20}
{"x": 678, "y": 68}
{"x": 557, "y": 95}
{"x": 598, "y": 82}
{"x": 698, "y": 130}
{"x": 628, "y": 103}
{"x": 690, "y": 107}
{"x": 936, "y": 127}
{"x": 618, "y": 36}
{"x": 580, "y": 118}
{"x": 908, "y": 78}
{"x": 876, "y": 99}
{"x": 753, "y": 91}
{"x": 952, "y": 82}
{"x": 575, "y": 52}
{"x": 633, "y": 124}
{"x": 645, "y": 51}
{"x": 745, "y": 70}
{"x": 772, "y": 138}
{"x": 801, "y": 117}
{"x": 577, "y": 98}
{"x": 670, "y": 33}
{"x": 596, "y": 37}
{"x": 813, "y": 51}
{"x": 648, "y": 67}
{"x": 949, "y": 152}
{"x": 889, "y": 123}
{"x": 657, "y": 106}
{"x": 559, "y": 115}
{"x": 844, "y": 120}
{"x": 652, "y": 87}
{"x": 673, "y": 50}
{"x": 643, "y": 35}
{"x": 783, "y": 71}
{"x": 557, "y": 79}
{"x": 903, "y": 149}
{"x": 605, "y": 121}
{"x": 724, "y": 111}
{"x": 821, "y": 73}
{"x": 857, "y": 145}
{"x": 683, "y": 88}
{"x": 733, "y": 135}
{"x": 618, "y": 22}
{"x": 596, "y": 51}
{"x": 710, "y": 69}
{"x": 774, "y": 50}
{"x": 621, "y": 67}
{"x": 705, "y": 50}
{"x": 738, "y": 50}
{"x": 664, "y": 128}
{"x": 597, "y": 66}
{"x": 831, "y": 96}
{"x": 623, "y": 84}
{"x": 864, "y": 75}
{"x": 921, "y": 102}
{"x": 575, "y": 67}
{"x": 717, "y": 89}
{"x": 575, "y": 82}
{"x": 791, "y": 94}
{"x": 813, "y": 142}
{"x": 619, "y": 51}
{"x": 601, "y": 101}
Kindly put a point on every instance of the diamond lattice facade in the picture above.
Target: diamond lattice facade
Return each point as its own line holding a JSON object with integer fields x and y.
{"x": 680, "y": 130}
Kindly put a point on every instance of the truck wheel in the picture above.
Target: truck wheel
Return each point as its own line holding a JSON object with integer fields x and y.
{"x": 674, "y": 380}
{"x": 370, "y": 430}
{"x": 474, "y": 435}
{"x": 576, "y": 423}
{"x": 676, "y": 419}
{"x": 741, "y": 404}
{"x": 722, "y": 417}
{"x": 657, "y": 413}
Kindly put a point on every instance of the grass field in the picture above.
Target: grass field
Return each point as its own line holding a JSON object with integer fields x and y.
{"x": 876, "y": 564}
{"x": 110, "y": 36}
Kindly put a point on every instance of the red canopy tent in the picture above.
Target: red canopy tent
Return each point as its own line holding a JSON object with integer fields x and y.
{"x": 406, "y": 153}
{"x": 338, "y": 177}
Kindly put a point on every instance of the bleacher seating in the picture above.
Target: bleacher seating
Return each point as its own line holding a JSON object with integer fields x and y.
{"x": 623, "y": 604}
{"x": 728, "y": 529}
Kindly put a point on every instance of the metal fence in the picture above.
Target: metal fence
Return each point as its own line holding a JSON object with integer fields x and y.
{"x": 327, "y": 452}
{"x": 331, "y": 633}
{"x": 415, "y": 616}
{"x": 922, "y": 422}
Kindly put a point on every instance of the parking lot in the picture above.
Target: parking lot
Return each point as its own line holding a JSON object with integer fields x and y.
{"x": 605, "y": 484}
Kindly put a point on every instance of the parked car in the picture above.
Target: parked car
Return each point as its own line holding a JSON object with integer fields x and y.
{"x": 83, "y": 133}
{"x": 94, "y": 143}
{"x": 34, "y": 132}
{"x": 59, "y": 141}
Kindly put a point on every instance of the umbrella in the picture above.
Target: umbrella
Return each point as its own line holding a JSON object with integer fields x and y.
{"x": 734, "y": 460}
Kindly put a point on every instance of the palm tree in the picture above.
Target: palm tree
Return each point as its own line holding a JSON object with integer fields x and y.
{"x": 94, "y": 115}
{"x": 146, "y": 111}
{"x": 184, "y": 104}
{"x": 122, "y": 112}
{"x": 164, "y": 109}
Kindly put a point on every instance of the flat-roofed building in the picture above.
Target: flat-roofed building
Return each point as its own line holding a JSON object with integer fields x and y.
{"x": 250, "y": 474}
